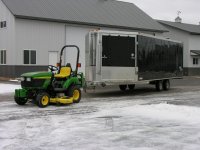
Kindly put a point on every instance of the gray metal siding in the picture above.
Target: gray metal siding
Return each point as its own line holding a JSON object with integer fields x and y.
{"x": 109, "y": 13}
{"x": 7, "y": 35}
{"x": 40, "y": 36}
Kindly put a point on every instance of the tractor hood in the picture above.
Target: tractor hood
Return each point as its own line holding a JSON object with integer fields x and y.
{"x": 37, "y": 74}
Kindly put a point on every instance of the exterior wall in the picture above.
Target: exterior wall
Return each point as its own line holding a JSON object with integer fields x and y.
{"x": 40, "y": 36}
{"x": 7, "y": 35}
{"x": 194, "y": 44}
{"x": 182, "y": 36}
{"x": 191, "y": 42}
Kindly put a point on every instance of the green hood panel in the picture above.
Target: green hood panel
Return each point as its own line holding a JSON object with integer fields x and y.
{"x": 37, "y": 74}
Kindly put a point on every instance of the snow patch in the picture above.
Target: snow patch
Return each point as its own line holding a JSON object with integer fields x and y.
{"x": 162, "y": 111}
{"x": 8, "y": 88}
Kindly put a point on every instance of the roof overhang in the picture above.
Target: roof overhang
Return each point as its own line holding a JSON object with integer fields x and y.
{"x": 89, "y": 24}
{"x": 195, "y": 52}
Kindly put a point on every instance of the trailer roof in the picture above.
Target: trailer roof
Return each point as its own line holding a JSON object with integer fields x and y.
{"x": 109, "y": 13}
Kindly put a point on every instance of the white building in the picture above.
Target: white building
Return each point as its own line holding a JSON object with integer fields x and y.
{"x": 189, "y": 34}
{"x": 32, "y": 32}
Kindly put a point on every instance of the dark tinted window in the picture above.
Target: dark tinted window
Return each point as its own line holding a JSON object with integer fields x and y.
{"x": 33, "y": 57}
{"x": 4, "y": 23}
{"x": 3, "y": 57}
{"x": 1, "y": 24}
{"x": 29, "y": 57}
{"x": 26, "y": 57}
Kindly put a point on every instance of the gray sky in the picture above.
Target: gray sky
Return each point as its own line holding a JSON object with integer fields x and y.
{"x": 167, "y": 9}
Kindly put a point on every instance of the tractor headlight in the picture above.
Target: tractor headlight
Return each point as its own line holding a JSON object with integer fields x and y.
{"x": 28, "y": 79}
{"x": 22, "y": 79}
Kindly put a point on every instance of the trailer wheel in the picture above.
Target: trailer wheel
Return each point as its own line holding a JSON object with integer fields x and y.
{"x": 159, "y": 85}
{"x": 166, "y": 85}
{"x": 75, "y": 92}
{"x": 131, "y": 86}
{"x": 21, "y": 101}
{"x": 123, "y": 87}
{"x": 43, "y": 99}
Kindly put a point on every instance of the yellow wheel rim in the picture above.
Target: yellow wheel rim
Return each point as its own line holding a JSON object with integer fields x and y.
{"x": 76, "y": 95}
{"x": 45, "y": 100}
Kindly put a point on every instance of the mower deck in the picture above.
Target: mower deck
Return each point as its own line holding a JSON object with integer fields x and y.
{"x": 62, "y": 100}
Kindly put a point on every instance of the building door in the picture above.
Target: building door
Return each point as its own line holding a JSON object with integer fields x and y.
{"x": 53, "y": 58}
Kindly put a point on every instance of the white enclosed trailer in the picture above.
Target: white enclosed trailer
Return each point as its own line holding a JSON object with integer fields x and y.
{"x": 129, "y": 58}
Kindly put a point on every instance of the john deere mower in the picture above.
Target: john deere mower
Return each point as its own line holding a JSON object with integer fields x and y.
{"x": 43, "y": 88}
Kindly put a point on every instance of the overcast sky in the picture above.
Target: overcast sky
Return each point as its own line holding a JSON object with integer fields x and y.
{"x": 167, "y": 9}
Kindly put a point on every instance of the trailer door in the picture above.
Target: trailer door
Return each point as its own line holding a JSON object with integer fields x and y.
{"x": 118, "y": 58}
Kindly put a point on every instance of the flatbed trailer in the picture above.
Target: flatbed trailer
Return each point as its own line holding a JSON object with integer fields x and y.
{"x": 129, "y": 58}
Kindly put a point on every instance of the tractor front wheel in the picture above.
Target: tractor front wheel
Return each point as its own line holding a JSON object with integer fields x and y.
{"x": 21, "y": 101}
{"x": 75, "y": 92}
{"x": 43, "y": 99}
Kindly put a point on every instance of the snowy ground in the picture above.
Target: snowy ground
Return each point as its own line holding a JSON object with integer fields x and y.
{"x": 148, "y": 121}
{"x": 8, "y": 88}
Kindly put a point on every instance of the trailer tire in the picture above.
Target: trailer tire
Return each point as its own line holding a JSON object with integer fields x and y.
{"x": 42, "y": 99}
{"x": 166, "y": 85}
{"x": 159, "y": 85}
{"x": 131, "y": 87}
{"x": 123, "y": 87}
{"x": 21, "y": 101}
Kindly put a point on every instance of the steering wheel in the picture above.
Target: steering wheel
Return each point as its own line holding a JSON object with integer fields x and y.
{"x": 52, "y": 68}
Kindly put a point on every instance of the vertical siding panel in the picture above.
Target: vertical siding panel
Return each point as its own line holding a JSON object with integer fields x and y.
{"x": 7, "y": 35}
{"x": 41, "y": 36}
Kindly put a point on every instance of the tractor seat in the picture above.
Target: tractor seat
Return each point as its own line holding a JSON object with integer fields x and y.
{"x": 64, "y": 72}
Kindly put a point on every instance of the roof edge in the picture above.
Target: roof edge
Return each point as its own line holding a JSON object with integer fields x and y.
{"x": 163, "y": 22}
{"x": 8, "y": 8}
{"x": 173, "y": 27}
{"x": 85, "y": 23}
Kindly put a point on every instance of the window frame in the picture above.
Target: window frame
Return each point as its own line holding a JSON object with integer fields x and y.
{"x": 31, "y": 53}
{"x": 3, "y": 57}
{"x": 3, "y": 24}
{"x": 195, "y": 61}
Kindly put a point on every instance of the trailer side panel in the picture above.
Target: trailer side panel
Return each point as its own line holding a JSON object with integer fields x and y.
{"x": 158, "y": 58}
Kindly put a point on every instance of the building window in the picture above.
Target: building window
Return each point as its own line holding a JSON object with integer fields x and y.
{"x": 195, "y": 61}
{"x": 3, "y": 24}
{"x": 29, "y": 56}
{"x": 2, "y": 57}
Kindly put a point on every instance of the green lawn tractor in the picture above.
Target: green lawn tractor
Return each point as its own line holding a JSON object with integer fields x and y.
{"x": 43, "y": 88}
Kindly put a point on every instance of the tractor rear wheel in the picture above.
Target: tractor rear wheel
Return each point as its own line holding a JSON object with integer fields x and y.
{"x": 21, "y": 101}
{"x": 43, "y": 99}
{"x": 75, "y": 92}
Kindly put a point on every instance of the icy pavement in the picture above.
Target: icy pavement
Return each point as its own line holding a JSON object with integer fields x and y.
{"x": 8, "y": 88}
{"x": 164, "y": 121}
